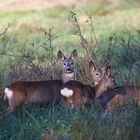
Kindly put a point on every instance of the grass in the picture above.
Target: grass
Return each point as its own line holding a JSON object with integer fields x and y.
{"x": 120, "y": 21}
{"x": 30, "y": 121}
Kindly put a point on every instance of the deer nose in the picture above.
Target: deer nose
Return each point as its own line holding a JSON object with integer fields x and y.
{"x": 69, "y": 70}
{"x": 116, "y": 88}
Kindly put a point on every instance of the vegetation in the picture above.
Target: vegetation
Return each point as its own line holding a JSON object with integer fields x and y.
{"x": 28, "y": 52}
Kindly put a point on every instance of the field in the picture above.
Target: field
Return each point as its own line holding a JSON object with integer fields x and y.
{"x": 101, "y": 31}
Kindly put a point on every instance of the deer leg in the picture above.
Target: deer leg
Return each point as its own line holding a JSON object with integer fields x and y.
{"x": 9, "y": 109}
{"x": 11, "y": 105}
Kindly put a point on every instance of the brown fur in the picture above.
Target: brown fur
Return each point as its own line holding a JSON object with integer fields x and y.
{"x": 35, "y": 92}
{"x": 67, "y": 66}
{"x": 106, "y": 83}
{"x": 41, "y": 91}
{"x": 82, "y": 94}
{"x": 111, "y": 98}
{"x": 85, "y": 94}
{"x": 97, "y": 73}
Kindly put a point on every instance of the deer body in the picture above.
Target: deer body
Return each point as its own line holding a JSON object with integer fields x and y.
{"x": 33, "y": 92}
{"x": 105, "y": 84}
{"x": 40, "y": 91}
{"x": 111, "y": 98}
{"x": 102, "y": 77}
{"x": 77, "y": 94}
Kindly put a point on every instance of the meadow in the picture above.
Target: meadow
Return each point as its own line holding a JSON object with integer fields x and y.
{"x": 101, "y": 31}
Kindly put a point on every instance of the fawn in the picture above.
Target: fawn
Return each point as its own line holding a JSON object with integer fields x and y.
{"x": 77, "y": 94}
{"x": 40, "y": 91}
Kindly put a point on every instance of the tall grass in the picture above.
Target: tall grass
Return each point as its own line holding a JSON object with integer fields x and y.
{"x": 28, "y": 52}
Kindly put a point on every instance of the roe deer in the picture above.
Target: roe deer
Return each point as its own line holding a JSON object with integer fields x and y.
{"x": 111, "y": 98}
{"x": 40, "y": 91}
{"x": 97, "y": 73}
{"x": 77, "y": 94}
{"x": 104, "y": 80}
{"x": 67, "y": 65}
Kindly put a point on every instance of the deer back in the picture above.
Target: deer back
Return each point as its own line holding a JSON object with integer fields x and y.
{"x": 77, "y": 94}
{"x": 112, "y": 98}
{"x": 35, "y": 91}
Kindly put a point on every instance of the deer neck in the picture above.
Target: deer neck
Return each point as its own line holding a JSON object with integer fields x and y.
{"x": 67, "y": 77}
{"x": 95, "y": 83}
{"x": 99, "y": 89}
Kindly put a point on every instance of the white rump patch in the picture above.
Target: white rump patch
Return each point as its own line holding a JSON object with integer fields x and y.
{"x": 8, "y": 93}
{"x": 67, "y": 92}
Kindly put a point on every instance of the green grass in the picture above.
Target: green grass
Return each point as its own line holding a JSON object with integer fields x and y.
{"x": 116, "y": 20}
{"x": 30, "y": 121}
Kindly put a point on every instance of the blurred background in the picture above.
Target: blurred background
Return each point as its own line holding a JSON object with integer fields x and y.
{"x": 32, "y": 31}
{"x": 104, "y": 31}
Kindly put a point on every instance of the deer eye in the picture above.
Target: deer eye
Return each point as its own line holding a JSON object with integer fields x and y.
{"x": 97, "y": 74}
{"x": 71, "y": 63}
{"x": 64, "y": 64}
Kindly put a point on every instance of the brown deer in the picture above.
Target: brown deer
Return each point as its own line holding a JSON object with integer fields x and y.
{"x": 102, "y": 77}
{"x": 40, "y": 91}
{"x": 67, "y": 66}
{"x": 77, "y": 94}
{"x": 97, "y": 73}
{"x": 111, "y": 98}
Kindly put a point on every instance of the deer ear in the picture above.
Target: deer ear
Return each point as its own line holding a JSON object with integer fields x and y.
{"x": 61, "y": 56}
{"x": 73, "y": 55}
{"x": 108, "y": 71}
{"x": 104, "y": 67}
{"x": 92, "y": 66}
